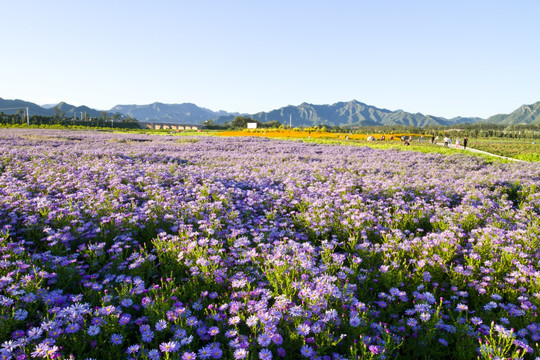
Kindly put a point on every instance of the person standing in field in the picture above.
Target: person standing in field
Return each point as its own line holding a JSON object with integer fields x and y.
{"x": 457, "y": 143}
{"x": 465, "y": 143}
{"x": 446, "y": 141}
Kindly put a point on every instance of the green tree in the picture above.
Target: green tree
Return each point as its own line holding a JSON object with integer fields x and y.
{"x": 58, "y": 113}
{"x": 269, "y": 124}
{"x": 241, "y": 121}
{"x": 20, "y": 114}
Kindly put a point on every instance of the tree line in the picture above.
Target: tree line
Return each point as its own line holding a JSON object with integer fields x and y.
{"x": 488, "y": 130}
{"x": 240, "y": 122}
{"x": 103, "y": 121}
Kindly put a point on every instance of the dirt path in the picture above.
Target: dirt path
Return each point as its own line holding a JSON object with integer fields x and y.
{"x": 480, "y": 152}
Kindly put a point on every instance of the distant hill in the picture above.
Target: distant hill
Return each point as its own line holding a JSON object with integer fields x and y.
{"x": 526, "y": 114}
{"x": 352, "y": 113}
{"x": 157, "y": 112}
{"x": 185, "y": 113}
{"x": 72, "y": 110}
{"x": 34, "y": 109}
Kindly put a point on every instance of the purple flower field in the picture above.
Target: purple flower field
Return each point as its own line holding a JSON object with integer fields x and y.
{"x": 123, "y": 246}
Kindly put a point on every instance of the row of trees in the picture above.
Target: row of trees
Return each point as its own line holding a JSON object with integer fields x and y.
{"x": 102, "y": 122}
{"x": 487, "y": 130}
{"x": 240, "y": 122}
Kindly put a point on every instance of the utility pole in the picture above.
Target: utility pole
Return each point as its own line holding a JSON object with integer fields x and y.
{"x": 290, "y": 121}
{"x": 27, "y": 117}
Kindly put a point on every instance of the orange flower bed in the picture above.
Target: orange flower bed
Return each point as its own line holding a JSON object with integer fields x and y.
{"x": 309, "y": 134}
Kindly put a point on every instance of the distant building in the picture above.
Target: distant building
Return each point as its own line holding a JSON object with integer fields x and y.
{"x": 251, "y": 125}
{"x": 172, "y": 126}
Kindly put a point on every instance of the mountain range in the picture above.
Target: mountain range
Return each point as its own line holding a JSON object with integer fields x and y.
{"x": 525, "y": 114}
{"x": 47, "y": 110}
{"x": 351, "y": 113}
{"x": 185, "y": 113}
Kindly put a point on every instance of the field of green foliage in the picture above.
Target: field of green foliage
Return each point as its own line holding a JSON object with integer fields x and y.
{"x": 528, "y": 150}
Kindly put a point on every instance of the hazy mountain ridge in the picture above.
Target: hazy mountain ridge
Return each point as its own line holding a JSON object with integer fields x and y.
{"x": 72, "y": 110}
{"x": 186, "y": 113}
{"x": 34, "y": 109}
{"x": 351, "y": 113}
{"x": 65, "y": 109}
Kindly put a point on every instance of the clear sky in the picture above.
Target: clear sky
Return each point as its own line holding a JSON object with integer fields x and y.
{"x": 444, "y": 58}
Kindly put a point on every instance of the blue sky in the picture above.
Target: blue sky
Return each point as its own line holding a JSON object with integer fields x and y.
{"x": 444, "y": 58}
